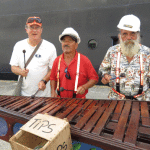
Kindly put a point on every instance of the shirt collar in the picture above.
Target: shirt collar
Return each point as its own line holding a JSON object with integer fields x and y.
{"x": 74, "y": 59}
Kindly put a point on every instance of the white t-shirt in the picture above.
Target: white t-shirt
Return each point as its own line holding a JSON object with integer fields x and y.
{"x": 38, "y": 66}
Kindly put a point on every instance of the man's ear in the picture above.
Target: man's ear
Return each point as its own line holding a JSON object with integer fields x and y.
{"x": 26, "y": 28}
{"x": 76, "y": 46}
{"x": 42, "y": 29}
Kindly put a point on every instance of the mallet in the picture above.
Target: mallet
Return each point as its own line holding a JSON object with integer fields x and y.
{"x": 33, "y": 96}
{"x": 24, "y": 51}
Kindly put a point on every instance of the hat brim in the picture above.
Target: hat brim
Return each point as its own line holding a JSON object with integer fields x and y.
{"x": 73, "y": 37}
{"x": 34, "y": 23}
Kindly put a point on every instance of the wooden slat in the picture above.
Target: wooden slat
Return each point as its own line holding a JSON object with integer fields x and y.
{"x": 8, "y": 101}
{"x": 5, "y": 98}
{"x": 111, "y": 126}
{"x": 118, "y": 111}
{"x": 106, "y": 104}
{"x": 87, "y": 104}
{"x": 113, "y": 104}
{"x": 49, "y": 100}
{"x": 32, "y": 103}
{"x": 44, "y": 107}
{"x": 101, "y": 123}
{"x": 144, "y": 130}
{"x": 16, "y": 104}
{"x": 92, "y": 104}
{"x": 82, "y": 102}
{"x": 57, "y": 108}
{"x": 89, "y": 107}
{"x": 23, "y": 104}
{"x": 88, "y": 127}
{"x": 51, "y": 107}
{"x": 74, "y": 113}
{"x": 120, "y": 129}
{"x": 100, "y": 103}
{"x": 33, "y": 106}
{"x": 86, "y": 117}
{"x": 144, "y": 146}
{"x": 70, "y": 102}
{"x": 67, "y": 111}
{"x": 132, "y": 130}
{"x": 145, "y": 114}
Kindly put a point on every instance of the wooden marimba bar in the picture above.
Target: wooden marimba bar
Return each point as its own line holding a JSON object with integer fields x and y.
{"x": 109, "y": 124}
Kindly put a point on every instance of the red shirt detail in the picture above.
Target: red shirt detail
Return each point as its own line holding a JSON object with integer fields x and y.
{"x": 86, "y": 72}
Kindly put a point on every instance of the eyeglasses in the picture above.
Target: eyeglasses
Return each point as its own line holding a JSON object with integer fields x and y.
{"x": 132, "y": 34}
{"x": 32, "y": 19}
{"x": 67, "y": 73}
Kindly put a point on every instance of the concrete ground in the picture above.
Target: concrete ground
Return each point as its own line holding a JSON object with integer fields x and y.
{"x": 7, "y": 87}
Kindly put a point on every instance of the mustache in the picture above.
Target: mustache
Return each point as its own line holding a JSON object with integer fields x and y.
{"x": 66, "y": 46}
{"x": 129, "y": 42}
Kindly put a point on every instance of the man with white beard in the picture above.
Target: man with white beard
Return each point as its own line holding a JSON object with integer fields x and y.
{"x": 126, "y": 65}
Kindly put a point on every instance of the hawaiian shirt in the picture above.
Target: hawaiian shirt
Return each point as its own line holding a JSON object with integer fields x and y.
{"x": 129, "y": 85}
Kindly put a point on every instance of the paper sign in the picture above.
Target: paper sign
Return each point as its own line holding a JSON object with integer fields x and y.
{"x": 45, "y": 126}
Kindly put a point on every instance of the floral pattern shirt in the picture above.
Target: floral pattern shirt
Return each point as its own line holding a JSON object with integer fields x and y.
{"x": 129, "y": 85}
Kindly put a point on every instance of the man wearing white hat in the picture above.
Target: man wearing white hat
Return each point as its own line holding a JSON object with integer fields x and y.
{"x": 72, "y": 73}
{"x": 128, "y": 62}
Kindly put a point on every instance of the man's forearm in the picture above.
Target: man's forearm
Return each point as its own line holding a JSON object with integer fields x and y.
{"x": 89, "y": 84}
{"x": 16, "y": 70}
{"x": 53, "y": 85}
{"x": 47, "y": 76}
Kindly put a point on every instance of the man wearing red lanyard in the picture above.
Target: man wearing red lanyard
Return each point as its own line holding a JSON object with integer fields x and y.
{"x": 72, "y": 73}
{"x": 130, "y": 58}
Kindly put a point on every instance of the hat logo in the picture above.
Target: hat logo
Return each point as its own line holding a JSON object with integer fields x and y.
{"x": 37, "y": 55}
{"x": 129, "y": 26}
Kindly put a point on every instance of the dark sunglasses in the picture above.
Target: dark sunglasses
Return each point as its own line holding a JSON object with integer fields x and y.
{"x": 32, "y": 19}
{"x": 67, "y": 73}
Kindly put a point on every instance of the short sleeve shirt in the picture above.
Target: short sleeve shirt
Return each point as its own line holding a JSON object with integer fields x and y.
{"x": 129, "y": 85}
{"x": 38, "y": 66}
{"x": 86, "y": 72}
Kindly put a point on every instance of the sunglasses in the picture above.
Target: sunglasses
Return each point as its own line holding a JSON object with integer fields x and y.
{"x": 67, "y": 73}
{"x": 32, "y": 19}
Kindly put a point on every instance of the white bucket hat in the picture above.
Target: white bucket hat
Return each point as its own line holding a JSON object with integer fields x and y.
{"x": 71, "y": 32}
{"x": 130, "y": 23}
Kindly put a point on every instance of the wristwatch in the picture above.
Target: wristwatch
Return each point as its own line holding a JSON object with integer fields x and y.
{"x": 44, "y": 81}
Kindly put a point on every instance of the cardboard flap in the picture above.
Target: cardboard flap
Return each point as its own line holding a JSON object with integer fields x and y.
{"x": 45, "y": 126}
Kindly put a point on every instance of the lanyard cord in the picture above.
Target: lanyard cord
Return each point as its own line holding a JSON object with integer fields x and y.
{"x": 58, "y": 75}
{"x": 77, "y": 73}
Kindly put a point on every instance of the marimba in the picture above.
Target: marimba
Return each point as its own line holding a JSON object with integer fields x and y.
{"x": 109, "y": 124}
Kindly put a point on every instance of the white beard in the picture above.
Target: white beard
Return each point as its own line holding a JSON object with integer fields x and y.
{"x": 129, "y": 48}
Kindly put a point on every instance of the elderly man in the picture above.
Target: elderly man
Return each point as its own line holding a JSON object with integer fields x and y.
{"x": 127, "y": 62}
{"x": 72, "y": 73}
{"x": 37, "y": 73}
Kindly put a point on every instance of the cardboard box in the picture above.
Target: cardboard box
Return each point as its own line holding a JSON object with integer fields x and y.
{"x": 43, "y": 131}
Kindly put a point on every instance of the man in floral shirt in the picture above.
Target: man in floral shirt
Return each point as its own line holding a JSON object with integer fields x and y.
{"x": 127, "y": 62}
